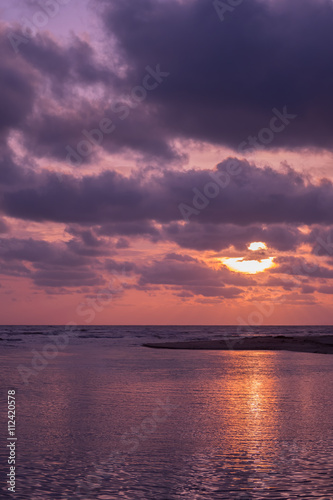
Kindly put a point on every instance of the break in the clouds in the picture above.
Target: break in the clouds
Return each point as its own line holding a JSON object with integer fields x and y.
{"x": 106, "y": 138}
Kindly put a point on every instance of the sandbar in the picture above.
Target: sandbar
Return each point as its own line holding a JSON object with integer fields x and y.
{"x": 315, "y": 344}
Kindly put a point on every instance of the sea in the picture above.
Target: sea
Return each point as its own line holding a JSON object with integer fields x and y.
{"x": 100, "y": 416}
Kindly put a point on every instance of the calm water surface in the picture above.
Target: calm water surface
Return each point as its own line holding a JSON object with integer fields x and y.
{"x": 108, "y": 419}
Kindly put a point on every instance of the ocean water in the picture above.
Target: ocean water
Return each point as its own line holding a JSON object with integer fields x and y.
{"x": 98, "y": 416}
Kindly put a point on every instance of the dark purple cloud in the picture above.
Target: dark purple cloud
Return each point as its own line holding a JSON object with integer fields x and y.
{"x": 254, "y": 196}
{"x": 141, "y": 228}
{"x": 66, "y": 278}
{"x": 328, "y": 290}
{"x": 4, "y": 228}
{"x": 172, "y": 271}
{"x": 74, "y": 263}
{"x": 76, "y": 63}
{"x": 183, "y": 273}
{"x": 321, "y": 239}
{"x": 123, "y": 243}
{"x": 124, "y": 267}
{"x": 14, "y": 269}
{"x": 230, "y": 292}
{"x": 60, "y": 135}
{"x": 298, "y": 266}
{"x": 86, "y": 243}
{"x": 12, "y": 173}
{"x": 225, "y": 78}
{"x": 46, "y": 93}
{"x": 39, "y": 252}
{"x": 273, "y": 281}
{"x": 220, "y": 236}
{"x": 17, "y": 88}
{"x": 51, "y": 264}
{"x": 27, "y": 250}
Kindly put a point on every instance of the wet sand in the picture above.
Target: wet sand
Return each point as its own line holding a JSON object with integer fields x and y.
{"x": 316, "y": 344}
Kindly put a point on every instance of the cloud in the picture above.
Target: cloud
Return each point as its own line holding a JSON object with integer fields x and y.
{"x": 221, "y": 236}
{"x": 117, "y": 267}
{"x": 3, "y": 227}
{"x": 298, "y": 266}
{"x": 75, "y": 63}
{"x": 211, "y": 94}
{"x": 55, "y": 133}
{"x": 86, "y": 243}
{"x": 118, "y": 203}
{"x": 14, "y": 269}
{"x": 17, "y": 87}
{"x": 328, "y": 290}
{"x": 273, "y": 281}
{"x": 123, "y": 243}
{"x": 66, "y": 278}
{"x": 186, "y": 274}
{"x": 48, "y": 93}
{"x": 141, "y": 228}
{"x": 225, "y": 78}
{"x": 165, "y": 74}
{"x": 39, "y": 252}
{"x": 50, "y": 264}
{"x": 321, "y": 240}
{"x": 82, "y": 261}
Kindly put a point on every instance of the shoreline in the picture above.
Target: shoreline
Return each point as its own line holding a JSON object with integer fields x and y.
{"x": 322, "y": 344}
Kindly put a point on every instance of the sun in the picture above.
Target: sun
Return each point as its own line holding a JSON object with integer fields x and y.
{"x": 242, "y": 265}
{"x": 248, "y": 266}
{"x": 257, "y": 245}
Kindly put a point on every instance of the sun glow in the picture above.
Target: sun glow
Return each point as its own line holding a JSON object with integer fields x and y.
{"x": 257, "y": 245}
{"x": 248, "y": 266}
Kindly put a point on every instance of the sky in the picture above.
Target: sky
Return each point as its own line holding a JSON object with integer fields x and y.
{"x": 166, "y": 162}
